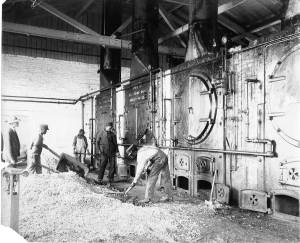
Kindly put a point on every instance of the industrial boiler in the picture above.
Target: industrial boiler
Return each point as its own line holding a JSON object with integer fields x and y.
{"x": 235, "y": 113}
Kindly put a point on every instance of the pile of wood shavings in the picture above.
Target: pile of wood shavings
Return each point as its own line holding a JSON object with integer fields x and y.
{"x": 62, "y": 208}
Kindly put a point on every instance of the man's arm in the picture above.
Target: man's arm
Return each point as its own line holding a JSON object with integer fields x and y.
{"x": 86, "y": 143}
{"x": 98, "y": 140}
{"x": 116, "y": 143}
{"x": 74, "y": 143}
{"x": 9, "y": 148}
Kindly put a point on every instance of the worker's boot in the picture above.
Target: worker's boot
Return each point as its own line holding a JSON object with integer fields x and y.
{"x": 99, "y": 182}
{"x": 146, "y": 200}
{"x": 166, "y": 199}
{"x": 86, "y": 171}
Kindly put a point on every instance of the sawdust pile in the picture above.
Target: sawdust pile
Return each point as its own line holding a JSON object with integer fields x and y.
{"x": 63, "y": 208}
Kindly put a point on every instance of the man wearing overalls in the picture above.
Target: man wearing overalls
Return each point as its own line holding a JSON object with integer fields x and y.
{"x": 80, "y": 146}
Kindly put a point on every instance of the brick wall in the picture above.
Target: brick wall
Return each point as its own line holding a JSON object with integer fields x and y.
{"x": 44, "y": 77}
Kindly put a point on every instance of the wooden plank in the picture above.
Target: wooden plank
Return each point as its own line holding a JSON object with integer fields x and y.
{"x": 81, "y": 38}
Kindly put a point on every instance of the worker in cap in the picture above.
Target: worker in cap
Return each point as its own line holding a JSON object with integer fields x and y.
{"x": 108, "y": 148}
{"x": 80, "y": 145}
{"x": 152, "y": 161}
{"x": 36, "y": 150}
{"x": 11, "y": 142}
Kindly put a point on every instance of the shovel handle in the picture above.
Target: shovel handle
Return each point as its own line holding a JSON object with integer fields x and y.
{"x": 213, "y": 185}
{"x": 53, "y": 152}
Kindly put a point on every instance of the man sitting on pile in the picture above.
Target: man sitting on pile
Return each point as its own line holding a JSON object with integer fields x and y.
{"x": 152, "y": 160}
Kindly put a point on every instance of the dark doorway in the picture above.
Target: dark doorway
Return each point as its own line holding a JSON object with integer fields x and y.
{"x": 287, "y": 205}
{"x": 183, "y": 182}
{"x": 203, "y": 185}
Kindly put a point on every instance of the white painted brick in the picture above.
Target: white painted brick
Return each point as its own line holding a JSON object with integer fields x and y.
{"x": 44, "y": 77}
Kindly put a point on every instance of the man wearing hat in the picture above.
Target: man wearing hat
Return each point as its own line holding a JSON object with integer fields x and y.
{"x": 108, "y": 148}
{"x": 36, "y": 150}
{"x": 11, "y": 148}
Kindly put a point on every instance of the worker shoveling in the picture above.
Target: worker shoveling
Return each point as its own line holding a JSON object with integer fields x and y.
{"x": 152, "y": 161}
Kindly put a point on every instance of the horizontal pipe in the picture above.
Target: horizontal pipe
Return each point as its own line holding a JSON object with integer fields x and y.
{"x": 39, "y": 101}
{"x": 33, "y": 97}
{"x": 210, "y": 150}
{"x": 275, "y": 41}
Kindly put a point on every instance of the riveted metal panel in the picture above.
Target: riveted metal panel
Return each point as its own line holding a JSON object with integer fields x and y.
{"x": 253, "y": 200}
{"x": 222, "y": 193}
{"x": 290, "y": 173}
{"x": 182, "y": 161}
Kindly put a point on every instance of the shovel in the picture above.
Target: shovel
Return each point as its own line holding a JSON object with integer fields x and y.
{"x": 210, "y": 202}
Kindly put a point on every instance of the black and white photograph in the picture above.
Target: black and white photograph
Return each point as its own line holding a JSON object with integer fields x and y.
{"x": 150, "y": 121}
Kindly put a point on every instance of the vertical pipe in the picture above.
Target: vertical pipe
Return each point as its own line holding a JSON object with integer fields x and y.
{"x": 136, "y": 122}
{"x": 224, "y": 138}
{"x": 264, "y": 119}
{"x": 92, "y": 132}
{"x": 82, "y": 114}
{"x": 161, "y": 108}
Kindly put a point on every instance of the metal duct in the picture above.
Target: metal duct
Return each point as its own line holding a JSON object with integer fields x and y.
{"x": 110, "y": 61}
{"x": 144, "y": 37}
{"x": 202, "y": 33}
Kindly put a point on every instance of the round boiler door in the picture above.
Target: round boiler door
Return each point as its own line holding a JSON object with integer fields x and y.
{"x": 201, "y": 107}
{"x": 284, "y": 97}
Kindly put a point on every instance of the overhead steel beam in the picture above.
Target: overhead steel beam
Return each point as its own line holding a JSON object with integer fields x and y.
{"x": 81, "y": 38}
{"x": 84, "y": 8}
{"x": 67, "y": 19}
{"x": 164, "y": 14}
